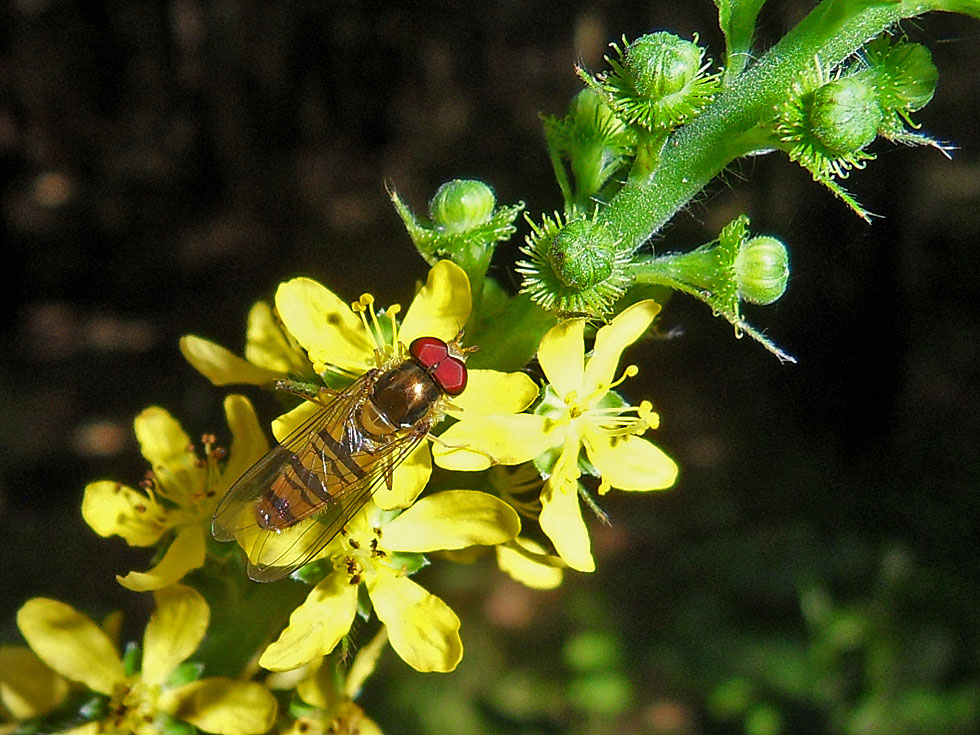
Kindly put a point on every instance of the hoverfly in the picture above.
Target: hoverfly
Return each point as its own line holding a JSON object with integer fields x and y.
{"x": 297, "y": 497}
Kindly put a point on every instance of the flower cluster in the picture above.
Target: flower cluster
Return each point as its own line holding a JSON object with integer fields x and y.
{"x": 525, "y": 446}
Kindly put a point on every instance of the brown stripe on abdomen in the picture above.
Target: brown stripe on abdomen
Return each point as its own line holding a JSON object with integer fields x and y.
{"x": 299, "y": 491}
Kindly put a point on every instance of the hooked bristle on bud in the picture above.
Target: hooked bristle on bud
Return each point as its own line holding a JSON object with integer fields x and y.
{"x": 659, "y": 81}
{"x": 573, "y": 268}
{"x": 904, "y": 75}
{"x": 905, "y": 80}
{"x": 825, "y": 125}
{"x": 844, "y": 115}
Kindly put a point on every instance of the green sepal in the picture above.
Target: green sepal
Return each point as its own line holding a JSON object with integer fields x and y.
{"x": 185, "y": 673}
{"x": 93, "y": 707}
{"x": 588, "y": 148}
{"x": 173, "y": 726}
{"x": 408, "y": 563}
{"x": 314, "y": 572}
{"x": 905, "y": 80}
{"x": 470, "y": 249}
{"x": 364, "y": 609}
{"x": 298, "y": 709}
{"x": 713, "y": 273}
{"x": 77, "y": 708}
{"x": 132, "y": 658}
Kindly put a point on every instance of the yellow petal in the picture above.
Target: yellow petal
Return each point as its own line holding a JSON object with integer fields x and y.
{"x": 324, "y": 325}
{"x": 491, "y": 391}
{"x": 630, "y": 462}
{"x": 288, "y": 422}
{"x": 266, "y": 344}
{"x": 422, "y": 629}
{"x": 110, "y": 508}
{"x": 112, "y": 626}
{"x": 185, "y": 553}
{"x": 481, "y": 440}
{"x": 225, "y": 706}
{"x": 223, "y": 367}
{"x": 174, "y": 632}
{"x": 70, "y": 643}
{"x": 315, "y": 627}
{"x": 441, "y": 308}
{"x": 526, "y": 562}
{"x": 287, "y": 680}
{"x": 28, "y": 688}
{"x": 364, "y": 663}
{"x": 408, "y": 480}
{"x": 453, "y": 519}
{"x": 561, "y": 515}
{"x": 562, "y": 355}
{"x": 316, "y": 687}
{"x": 166, "y": 446}
{"x": 248, "y": 443}
{"x": 612, "y": 339}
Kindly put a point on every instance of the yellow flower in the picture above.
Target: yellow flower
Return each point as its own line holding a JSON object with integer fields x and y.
{"x": 179, "y": 494}
{"x": 578, "y": 410}
{"x": 349, "y": 341}
{"x": 423, "y": 630}
{"x": 524, "y": 559}
{"x": 328, "y": 702}
{"x": 141, "y": 704}
{"x": 271, "y": 354}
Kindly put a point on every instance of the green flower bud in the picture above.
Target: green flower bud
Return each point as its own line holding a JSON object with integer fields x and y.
{"x": 573, "y": 268}
{"x": 906, "y": 77}
{"x": 582, "y": 254}
{"x": 662, "y": 64}
{"x": 844, "y": 115}
{"x": 462, "y": 204}
{"x": 762, "y": 270}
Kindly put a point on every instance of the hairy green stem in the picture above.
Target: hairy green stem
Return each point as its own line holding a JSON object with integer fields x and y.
{"x": 729, "y": 128}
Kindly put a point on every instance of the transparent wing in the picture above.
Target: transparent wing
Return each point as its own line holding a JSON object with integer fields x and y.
{"x": 296, "y": 498}
{"x": 229, "y": 520}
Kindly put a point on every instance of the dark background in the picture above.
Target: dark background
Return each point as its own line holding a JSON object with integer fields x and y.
{"x": 163, "y": 165}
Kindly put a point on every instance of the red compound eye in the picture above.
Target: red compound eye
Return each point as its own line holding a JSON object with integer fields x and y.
{"x": 433, "y": 355}
{"x": 451, "y": 376}
{"x": 429, "y": 351}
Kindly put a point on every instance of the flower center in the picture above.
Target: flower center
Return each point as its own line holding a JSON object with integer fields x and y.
{"x": 163, "y": 484}
{"x": 384, "y": 334}
{"x": 363, "y": 553}
{"x": 132, "y": 709}
{"x": 602, "y": 409}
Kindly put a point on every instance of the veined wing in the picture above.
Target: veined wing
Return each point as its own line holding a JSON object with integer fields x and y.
{"x": 294, "y": 500}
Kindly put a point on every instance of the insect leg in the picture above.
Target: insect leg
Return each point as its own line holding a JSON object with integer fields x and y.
{"x": 436, "y": 440}
{"x": 309, "y": 391}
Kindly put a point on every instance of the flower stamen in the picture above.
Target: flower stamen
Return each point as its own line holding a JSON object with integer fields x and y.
{"x": 392, "y": 313}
